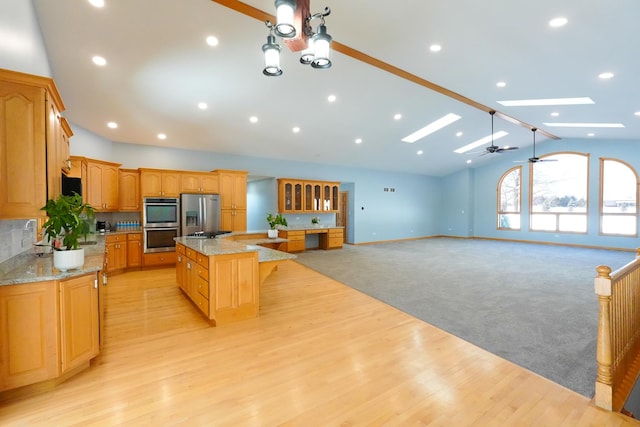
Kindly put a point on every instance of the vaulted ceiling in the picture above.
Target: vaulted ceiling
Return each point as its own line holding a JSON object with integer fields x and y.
{"x": 159, "y": 68}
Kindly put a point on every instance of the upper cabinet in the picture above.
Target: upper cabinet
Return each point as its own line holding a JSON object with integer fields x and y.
{"x": 30, "y": 121}
{"x": 129, "y": 188}
{"x": 195, "y": 182}
{"x": 102, "y": 185}
{"x": 290, "y": 194}
{"x": 300, "y": 196}
{"x": 159, "y": 183}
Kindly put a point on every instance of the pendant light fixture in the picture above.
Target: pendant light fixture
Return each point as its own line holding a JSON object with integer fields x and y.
{"x": 315, "y": 46}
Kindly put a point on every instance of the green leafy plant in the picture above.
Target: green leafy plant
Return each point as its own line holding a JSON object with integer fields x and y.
{"x": 275, "y": 220}
{"x": 69, "y": 219}
{"x": 315, "y": 220}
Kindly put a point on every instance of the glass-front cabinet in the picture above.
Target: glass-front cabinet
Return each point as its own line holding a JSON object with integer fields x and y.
{"x": 299, "y": 196}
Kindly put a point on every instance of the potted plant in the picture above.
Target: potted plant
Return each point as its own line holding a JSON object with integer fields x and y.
{"x": 274, "y": 221}
{"x": 69, "y": 220}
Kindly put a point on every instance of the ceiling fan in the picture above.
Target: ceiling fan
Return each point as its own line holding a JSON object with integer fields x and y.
{"x": 494, "y": 148}
{"x": 535, "y": 159}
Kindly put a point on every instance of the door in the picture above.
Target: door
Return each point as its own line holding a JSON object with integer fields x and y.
{"x": 341, "y": 216}
{"x": 211, "y": 212}
{"x": 191, "y": 214}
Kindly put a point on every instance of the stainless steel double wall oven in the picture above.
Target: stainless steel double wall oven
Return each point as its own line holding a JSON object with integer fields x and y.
{"x": 161, "y": 223}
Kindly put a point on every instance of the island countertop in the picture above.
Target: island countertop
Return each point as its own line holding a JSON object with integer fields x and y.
{"x": 222, "y": 246}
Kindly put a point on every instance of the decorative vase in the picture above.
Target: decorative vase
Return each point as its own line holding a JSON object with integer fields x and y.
{"x": 68, "y": 260}
{"x": 272, "y": 234}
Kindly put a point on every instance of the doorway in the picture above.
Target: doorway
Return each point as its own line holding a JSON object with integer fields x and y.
{"x": 341, "y": 216}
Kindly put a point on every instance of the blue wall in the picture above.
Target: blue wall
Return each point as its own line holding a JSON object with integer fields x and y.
{"x": 484, "y": 191}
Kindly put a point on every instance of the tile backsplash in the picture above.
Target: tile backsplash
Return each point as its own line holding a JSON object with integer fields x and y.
{"x": 16, "y": 236}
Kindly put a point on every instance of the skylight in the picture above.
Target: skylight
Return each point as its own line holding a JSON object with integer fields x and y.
{"x": 431, "y": 128}
{"x": 548, "y": 101}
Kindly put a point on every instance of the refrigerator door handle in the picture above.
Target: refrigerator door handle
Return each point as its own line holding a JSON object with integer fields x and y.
{"x": 203, "y": 212}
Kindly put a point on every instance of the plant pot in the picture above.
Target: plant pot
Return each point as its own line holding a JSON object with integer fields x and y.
{"x": 68, "y": 260}
{"x": 272, "y": 234}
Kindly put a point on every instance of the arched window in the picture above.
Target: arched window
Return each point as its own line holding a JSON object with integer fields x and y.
{"x": 509, "y": 199}
{"x": 618, "y": 198}
{"x": 558, "y": 198}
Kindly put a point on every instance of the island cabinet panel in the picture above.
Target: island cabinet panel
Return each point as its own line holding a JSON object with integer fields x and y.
{"x": 234, "y": 284}
{"x": 28, "y": 334}
{"x": 79, "y": 320}
{"x": 181, "y": 267}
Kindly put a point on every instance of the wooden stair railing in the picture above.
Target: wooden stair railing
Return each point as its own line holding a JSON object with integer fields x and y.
{"x": 618, "y": 346}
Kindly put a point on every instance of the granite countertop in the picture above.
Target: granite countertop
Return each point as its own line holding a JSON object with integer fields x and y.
{"x": 28, "y": 267}
{"x": 222, "y": 246}
{"x": 309, "y": 227}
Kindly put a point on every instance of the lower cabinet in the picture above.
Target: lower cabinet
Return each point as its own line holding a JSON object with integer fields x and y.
{"x": 159, "y": 259}
{"x": 134, "y": 250}
{"x": 47, "y": 329}
{"x": 332, "y": 239}
{"x": 79, "y": 321}
{"x": 116, "y": 252}
{"x": 296, "y": 240}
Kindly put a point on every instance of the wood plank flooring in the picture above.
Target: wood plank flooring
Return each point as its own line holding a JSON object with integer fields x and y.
{"x": 320, "y": 354}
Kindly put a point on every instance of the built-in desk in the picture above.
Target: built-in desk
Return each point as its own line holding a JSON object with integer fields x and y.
{"x": 329, "y": 237}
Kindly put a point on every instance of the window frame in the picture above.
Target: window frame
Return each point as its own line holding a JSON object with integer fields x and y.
{"x": 499, "y": 210}
{"x": 557, "y": 215}
{"x": 601, "y": 214}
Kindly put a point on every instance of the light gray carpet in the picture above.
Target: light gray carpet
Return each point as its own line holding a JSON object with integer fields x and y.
{"x": 531, "y": 304}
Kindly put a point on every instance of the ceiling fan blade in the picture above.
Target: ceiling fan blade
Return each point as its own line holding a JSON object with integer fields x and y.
{"x": 506, "y": 148}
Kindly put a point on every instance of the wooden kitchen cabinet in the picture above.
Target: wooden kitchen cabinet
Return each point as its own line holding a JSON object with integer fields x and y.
{"x": 233, "y": 200}
{"x": 28, "y": 334}
{"x": 290, "y": 195}
{"x": 129, "y": 190}
{"x": 115, "y": 252}
{"x": 181, "y": 267}
{"x": 64, "y": 155}
{"x": 332, "y": 239}
{"x": 296, "y": 239}
{"x": 195, "y": 182}
{"x": 102, "y": 185}
{"x": 30, "y": 108}
{"x": 159, "y": 183}
{"x": 134, "y": 250}
{"x": 79, "y": 321}
{"x": 158, "y": 259}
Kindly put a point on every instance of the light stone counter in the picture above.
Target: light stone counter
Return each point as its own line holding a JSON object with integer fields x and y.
{"x": 28, "y": 267}
{"x": 223, "y": 246}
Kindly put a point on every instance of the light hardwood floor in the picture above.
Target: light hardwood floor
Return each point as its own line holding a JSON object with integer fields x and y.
{"x": 320, "y": 354}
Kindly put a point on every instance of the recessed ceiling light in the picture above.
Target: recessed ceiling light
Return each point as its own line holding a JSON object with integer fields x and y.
{"x": 584, "y": 125}
{"x": 99, "y": 60}
{"x": 501, "y": 84}
{"x": 112, "y": 125}
{"x": 548, "y": 101}
{"x": 97, "y": 3}
{"x": 397, "y": 116}
{"x": 212, "y": 41}
{"x": 469, "y": 161}
{"x": 459, "y": 134}
{"x": 296, "y": 129}
{"x": 591, "y": 134}
{"x": 558, "y": 22}
{"x": 202, "y": 105}
{"x": 481, "y": 141}
{"x": 637, "y": 113}
{"x": 435, "y": 48}
{"x": 420, "y": 152}
{"x": 253, "y": 119}
{"x": 606, "y": 75}
{"x": 331, "y": 98}
{"x": 431, "y": 128}
{"x": 555, "y": 114}
{"x": 358, "y": 140}
{"x": 162, "y": 136}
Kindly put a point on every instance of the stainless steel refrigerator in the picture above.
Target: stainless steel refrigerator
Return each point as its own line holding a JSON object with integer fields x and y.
{"x": 199, "y": 214}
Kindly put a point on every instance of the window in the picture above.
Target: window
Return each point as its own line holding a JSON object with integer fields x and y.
{"x": 618, "y": 198}
{"x": 509, "y": 199}
{"x": 558, "y": 196}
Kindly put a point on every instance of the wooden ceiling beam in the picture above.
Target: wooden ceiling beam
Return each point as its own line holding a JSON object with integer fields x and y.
{"x": 260, "y": 15}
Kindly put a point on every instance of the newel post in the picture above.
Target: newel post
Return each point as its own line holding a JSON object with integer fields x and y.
{"x": 604, "y": 382}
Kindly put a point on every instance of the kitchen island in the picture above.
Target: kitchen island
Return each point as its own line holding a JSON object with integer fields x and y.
{"x": 222, "y": 276}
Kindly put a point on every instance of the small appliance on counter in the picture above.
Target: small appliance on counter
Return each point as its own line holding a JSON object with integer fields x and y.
{"x": 102, "y": 226}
